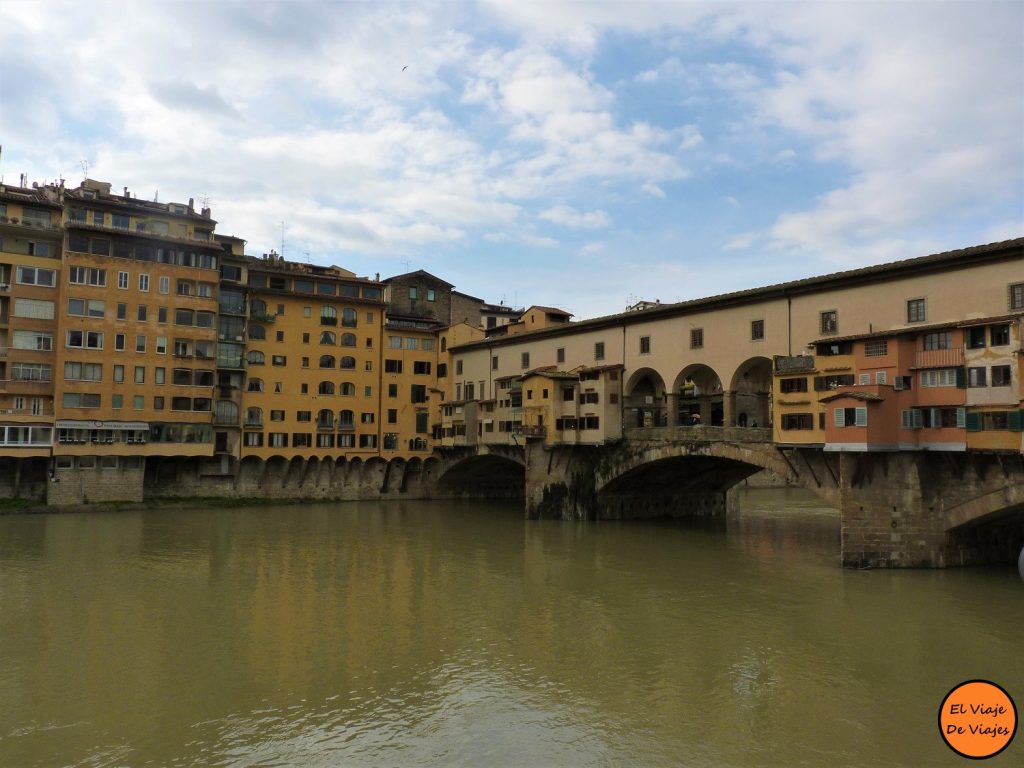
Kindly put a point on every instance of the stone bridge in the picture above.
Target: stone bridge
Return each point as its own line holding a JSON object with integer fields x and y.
{"x": 898, "y": 509}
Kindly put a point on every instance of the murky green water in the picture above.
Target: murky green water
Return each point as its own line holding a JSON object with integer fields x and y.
{"x": 437, "y": 634}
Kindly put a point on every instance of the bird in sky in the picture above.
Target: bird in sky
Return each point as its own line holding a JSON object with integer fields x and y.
{"x": 405, "y": 67}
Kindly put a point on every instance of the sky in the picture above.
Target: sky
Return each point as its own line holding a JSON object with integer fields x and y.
{"x": 584, "y": 155}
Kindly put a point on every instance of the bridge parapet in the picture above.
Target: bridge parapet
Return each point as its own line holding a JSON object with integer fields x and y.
{"x": 700, "y": 433}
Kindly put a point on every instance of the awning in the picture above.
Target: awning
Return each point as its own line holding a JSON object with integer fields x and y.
{"x": 125, "y": 426}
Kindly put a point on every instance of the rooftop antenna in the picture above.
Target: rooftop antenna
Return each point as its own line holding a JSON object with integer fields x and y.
{"x": 408, "y": 267}
{"x": 282, "y": 239}
{"x": 206, "y": 201}
{"x": 307, "y": 257}
{"x": 85, "y": 169}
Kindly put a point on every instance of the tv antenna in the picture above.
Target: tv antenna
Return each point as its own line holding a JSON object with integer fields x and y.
{"x": 85, "y": 168}
{"x": 205, "y": 201}
{"x": 283, "y": 228}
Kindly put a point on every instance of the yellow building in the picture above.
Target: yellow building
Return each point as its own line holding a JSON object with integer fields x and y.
{"x": 138, "y": 319}
{"x": 30, "y": 270}
{"x": 312, "y": 358}
{"x": 798, "y": 384}
{"x": 410, "y": 356}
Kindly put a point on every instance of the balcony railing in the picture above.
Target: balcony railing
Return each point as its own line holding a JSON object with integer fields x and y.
{"x": 26, "y": 386}
{"x": 939, "y": 358}
{"x": 262, "y": 317}
{"x": 532, "y": 430}
{"x": 325, "y": 425}
{"x": 793, "y": 363}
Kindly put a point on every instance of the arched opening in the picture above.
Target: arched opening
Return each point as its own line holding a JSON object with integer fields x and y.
{"x": 751, "y": 393}
{"x": 645, "y": 404}
{"x": 490, "y": 475}
{"x": 698, "y": 396}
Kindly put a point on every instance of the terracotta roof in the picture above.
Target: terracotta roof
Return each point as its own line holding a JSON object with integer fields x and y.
{"x": 891, "y": 332}
{"x": 551, "y": 311}
{"x": 987, "y": 320}
{"x": 418, "y": 273}
{"x": 868, "y": 397}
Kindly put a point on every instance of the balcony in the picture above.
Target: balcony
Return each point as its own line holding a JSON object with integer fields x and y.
{"x": 325, "y": 426}
{"x": 346, "y": 426}
{"x": 262, "y": 317}
{"x": 254, "y": 423}
{"x": 532, "y": 430}
{"x": 939, "y": 358}
{"x": 794, "y": 363}
{"x": 48, "y": 226}
{"x": 328, "y": 321}
{"x": 26, "y": 386}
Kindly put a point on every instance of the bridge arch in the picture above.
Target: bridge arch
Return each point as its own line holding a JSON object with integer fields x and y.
{"x": 697, "y": 391}
{"x": 750, "y": 393}
{"x": 645, "y": 400}
{"x": 494, "y": 475}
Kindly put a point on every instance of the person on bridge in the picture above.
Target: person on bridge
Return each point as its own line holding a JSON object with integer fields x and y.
{"x": 694, "y": 419}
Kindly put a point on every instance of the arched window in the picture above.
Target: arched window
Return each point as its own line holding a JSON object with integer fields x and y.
{"x": 348, "y": 339}
{"x": 256, "y": 357}
{"x": 348, "y": 363}
{"x": 257, "y": 332}
{"x": 347, "y": 388}
{"x": 326, "y": 361}
{"x": 259, "y": 307}
{"x": 254, "y": 417}
{"x": 326, "y": 388}
{"x": 328, "y": 316}
{"x": 325, "y": 419}
{"x": 348, "y": 318}
{"x": 254, "y": 385}
{"x": 327, "y": 337}
{"x": 346, "y": 419}
{"x": 444, "y": 345}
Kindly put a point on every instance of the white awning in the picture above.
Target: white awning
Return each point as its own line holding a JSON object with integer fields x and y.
{"x": 125, "y": 426}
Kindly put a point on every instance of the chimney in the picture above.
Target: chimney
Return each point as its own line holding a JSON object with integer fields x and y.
{"x": 126, "y": 193}
{"x": 191, "y": 204}
{"x": 205, "y": 212}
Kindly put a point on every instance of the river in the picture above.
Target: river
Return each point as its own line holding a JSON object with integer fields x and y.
{"x": 460, "y": 634}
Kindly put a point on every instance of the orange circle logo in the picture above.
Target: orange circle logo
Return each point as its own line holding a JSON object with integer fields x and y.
{"x": 978, "y": 719}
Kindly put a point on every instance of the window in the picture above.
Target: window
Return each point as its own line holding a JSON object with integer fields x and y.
{"x": 159, "y": 374}
{"x": 326, "y": 388}
{"x": 349, "y": 318}
{"x": 938, "y": 340}
{"x": 161, "y": 314}
{"x": 347, "y": 388}
{"x": 756, "y": 330}
{"x": 184, "y": 317}
{"x": 419, "y": 393}
{"x": 279, "y": 336}
{"x": 119, "y": 374}
{"x": 367, "y": 441}
{"x": 326, "y": 361}
{"x": 119, "y": 342}
{"x": 33, "y": 309}
{"x": 117, "y": 401}
{"x": 392, "y": 415}
{"x": 829, "y": 322}
{"x": 81, "y": 372}
{"x": 525, "y": 360}
{"x": 86, "y": 307}
{"x": 876, "y": 348}
{"x": 793, "y": 385}
{"x": 880, "y": 377}
{"x": 1000, "y": 375}
{"x": 394, "y": 342}
{"x": 599, "y": 350}
{"x": 851, "y": 417}
{"x": 122, "y": 280}
{"x": 915, "y": 311}
{"x": 347, "y": 362}
{"x": 87, "y": 276}
{"x": 44, "y": 372}
{"x": 939, "y": 377}
{"x": 797, "y": 421}
{"x": 327, "y": 337}
{"x": 165, "y": 284}
{"x": 161, "y": 345}
{"x": 35, "y": 340}
{"x": 431, "y": 294}
{"x": 257, "y": 333}
{"x": 278, "y": 440}
{"x": 85, "y": 339}
{"x": 392, "y": 366}
{"x": 976, "y": 337}
{"x": 122, "y": 311}
{"x": 80, "y": 400}
{"x": 144, "y": 283}
{"x": 205, "y": 319}
{"x": 37, "y": 276}
{"x": 976, "y": 377}
{"x": 999, "y": 335}
{"x": 140, "y": 343}
{"x": 278, "y": 360}
{"x": 560, "y": 355}
{"x": 411, "y": 342}
{"x": 253, "y": 439}
{"x": 421, "y": 368}
{"x": 1017, "y": 296}
{"x": 413, "y": 293}
{"x": 348, "y": 340}
{"x": 140, "y": 374}
{"x": 864, "y": 378}
{"x": 142, "y": 313}
{"x": 366, "y": 418}
{"x": 254, "y": 385}
{"x": 696, "y": 338}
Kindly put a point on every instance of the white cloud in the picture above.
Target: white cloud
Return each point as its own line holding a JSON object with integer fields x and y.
{"x": 740, "y": 242}
{"x": 591, "y": 249}
{"x": 653, "y": 190}
{"x": 569, "y": 217}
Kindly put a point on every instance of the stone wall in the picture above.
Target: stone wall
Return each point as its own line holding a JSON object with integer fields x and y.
{"x": 73, "y": 486}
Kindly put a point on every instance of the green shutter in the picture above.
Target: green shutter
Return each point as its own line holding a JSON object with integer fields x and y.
{"x": 961, "y": 418}
{"x": 973, "y": 422}
{"x": 840, "y": 416}
{"x": 1014, "y": 421}
{"x": 961, "y": 377}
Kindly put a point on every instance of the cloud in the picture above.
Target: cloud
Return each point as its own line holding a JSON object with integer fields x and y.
{"x": 591, "y": 249}
{"x": 740, "y": 242}
{"x": 186, "y": 96}
{"x": 569, "y": 217}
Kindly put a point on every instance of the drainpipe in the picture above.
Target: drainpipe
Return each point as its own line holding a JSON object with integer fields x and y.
{"x": 622, "y": 385}
{"x": 789, "y": 325}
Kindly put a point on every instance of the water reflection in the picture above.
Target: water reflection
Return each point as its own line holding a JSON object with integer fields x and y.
{"x": 439, "y": 634}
